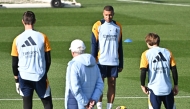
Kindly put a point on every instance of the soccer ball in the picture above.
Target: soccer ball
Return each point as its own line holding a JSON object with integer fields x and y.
{"x": 121, "y": 107}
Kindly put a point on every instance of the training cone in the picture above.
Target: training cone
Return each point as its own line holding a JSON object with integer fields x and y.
{"x": 128, "y": 40}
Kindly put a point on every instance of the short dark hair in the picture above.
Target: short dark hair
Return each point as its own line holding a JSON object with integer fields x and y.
{"x": 152, "y": 39}
{"x": 29, "y": 18}
{"x": 109, "y": 8}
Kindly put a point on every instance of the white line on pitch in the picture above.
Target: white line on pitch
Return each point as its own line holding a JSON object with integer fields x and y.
{"x": 170, "y": 4}
{"x": 104, "y": 98}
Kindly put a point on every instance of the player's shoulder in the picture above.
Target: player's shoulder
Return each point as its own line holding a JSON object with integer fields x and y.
{"x": 117, "y": 23}
{"x": 20, "y": 36}
{"x": 96, "y": 25}
{"x": 38, "y": 32}
{"x": 168, "y": 51}
{"x": 99, "y": 22}
{"x": 144, "y": 53}
{"x": 42, "y": 34}
{"x": 17, "y": 36}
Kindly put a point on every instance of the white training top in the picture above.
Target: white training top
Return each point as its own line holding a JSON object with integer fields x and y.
{"x": 30, "y": 47}
{"x": 158, "y": 61}
{"x": 109, "y": 34}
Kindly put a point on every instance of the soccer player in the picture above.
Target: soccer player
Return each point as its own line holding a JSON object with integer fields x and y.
{"x": 31, "y": 61}
{"x": 84, "y": 84}
{"x": 158, "y": 62}
{"x": 106, "y": 47}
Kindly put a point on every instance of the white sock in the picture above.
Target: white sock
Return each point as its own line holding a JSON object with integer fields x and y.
{"x": 109, "y": 105}
{"x": 99, "y": 105}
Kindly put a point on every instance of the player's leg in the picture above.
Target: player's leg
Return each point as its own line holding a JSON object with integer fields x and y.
{"x": 99, "y": 103}
{"x": 154, "y": 102}
{"x": 101, "y": 97}
{"x": 168, "y": 101}
{"x": 111, "y": 91}
{"x": 26, "y": 91}
{"x": 44, "y": 92}
{"x": 103, "y": 71}
{"x": 111, "y": 81}
{"x": 149, "y": 103}
{"x": 47, "y": 102}
{"x": 27, "y": 102}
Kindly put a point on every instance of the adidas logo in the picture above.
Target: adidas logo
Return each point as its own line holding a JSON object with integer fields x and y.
{"x": 29, "y": 42}
{"x": 159, "y": 57}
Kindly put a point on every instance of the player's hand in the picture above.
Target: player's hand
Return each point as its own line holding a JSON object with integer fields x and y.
{"x": 145, "y": 89}
{"x": 17, "y": 88}
{"x": 120, "y": 69}
{"x": 175, "y": 90}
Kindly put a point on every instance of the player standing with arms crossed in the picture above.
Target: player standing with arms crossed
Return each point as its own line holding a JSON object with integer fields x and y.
{"x": 31, "y": 61}
{"x": 106, "y": 47}
{"x": 158, "y": 62}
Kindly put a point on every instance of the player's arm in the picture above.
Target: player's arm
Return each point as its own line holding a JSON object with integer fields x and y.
{"x": 15, "y": 67}
{"x": 48, "y": 60}
{"x": 173, "y": 69}
{"x": 15, "y": 72}
{"x": 143, "y": 76}
{"x": 94, "y": 39}
{"x": 174, "y": 74}
{"x": 143, "y": 68}
{"x": 94, "y": 46}
{"x": 142, "y": 79}
{"x": 47, "y": 53}
{"x": 175, "y": 79}
{"x": 14, "y": 54}
{"x": 120, "y": 51}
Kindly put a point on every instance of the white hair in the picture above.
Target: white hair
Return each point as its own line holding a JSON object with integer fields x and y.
{"x": 79, "y": 50}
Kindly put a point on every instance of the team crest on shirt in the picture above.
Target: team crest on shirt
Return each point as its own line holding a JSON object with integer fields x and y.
{"x": 115, "y": 30}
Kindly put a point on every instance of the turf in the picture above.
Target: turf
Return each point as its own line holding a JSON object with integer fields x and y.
{"x": 62, "y": 25}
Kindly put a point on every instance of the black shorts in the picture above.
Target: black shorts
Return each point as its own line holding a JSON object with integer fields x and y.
{"x": 41, "y": 87}
{"x": 108, "y": 71}
{"x": 156, "y": 101}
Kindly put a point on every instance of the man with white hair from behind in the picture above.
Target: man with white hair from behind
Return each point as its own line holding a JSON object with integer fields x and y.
{"x": 84, "y": 84}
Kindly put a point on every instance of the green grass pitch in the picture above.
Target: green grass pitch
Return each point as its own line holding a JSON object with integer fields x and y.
{"x": 168, "y": 18}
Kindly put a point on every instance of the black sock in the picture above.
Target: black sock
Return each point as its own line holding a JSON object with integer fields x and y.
{"x": 47, "y": 102}
{"x": 27, "y": 102}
